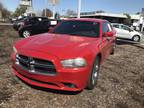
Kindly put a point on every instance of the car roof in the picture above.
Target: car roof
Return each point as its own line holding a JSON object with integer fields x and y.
{"x": 118, "y": 24}
{"x": 36, "y": 17}
{"x": 87, "y": 19}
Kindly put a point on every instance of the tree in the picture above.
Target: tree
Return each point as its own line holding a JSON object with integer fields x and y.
{"x": 5, "y": 13}
{"x": 128, "y": 20}
{"x": 48, "y": 13}
{"x": 20, "y": 11}
{"x": 138, "y": 13}
{"x": 1, "y": 6}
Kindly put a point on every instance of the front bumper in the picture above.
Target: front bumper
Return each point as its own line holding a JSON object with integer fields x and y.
{"x": 65, "y": 79}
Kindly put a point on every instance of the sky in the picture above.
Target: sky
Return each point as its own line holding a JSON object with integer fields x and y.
{"x": 110, "y": 6}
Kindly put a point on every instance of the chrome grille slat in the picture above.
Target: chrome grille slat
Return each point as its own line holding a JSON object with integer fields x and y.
{"x": 36, "y": 66}
{"x": 44, "y": 65}
{"x": 21, "y": 60}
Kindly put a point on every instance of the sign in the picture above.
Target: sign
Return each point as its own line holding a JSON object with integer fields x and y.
{"x": 25, "y": 2}
{"x": 54, "y": 2}
{"x": 29, "y": 10}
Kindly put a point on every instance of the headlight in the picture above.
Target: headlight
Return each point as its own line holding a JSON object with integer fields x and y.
{"x": 73, "y": 63}
{"x": 14, "y": 49}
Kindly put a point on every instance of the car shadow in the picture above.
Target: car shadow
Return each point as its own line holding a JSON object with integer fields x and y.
{"x": 125, "y": 42}
{"x": 129, "y": 42}
{"x": 51, "y": 90}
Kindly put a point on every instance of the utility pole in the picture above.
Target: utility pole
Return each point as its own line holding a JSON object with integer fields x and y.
{"x": 45, "y": 8}
{"x": 79, "y": 9}
{"x": 31, "y": 5}
{"x": 53, "y": 10}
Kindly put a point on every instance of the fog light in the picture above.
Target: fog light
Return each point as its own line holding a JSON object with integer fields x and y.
{"x": 70, "y": 85}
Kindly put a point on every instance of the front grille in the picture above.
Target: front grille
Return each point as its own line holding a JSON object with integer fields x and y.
{"x": 35, "y": 65}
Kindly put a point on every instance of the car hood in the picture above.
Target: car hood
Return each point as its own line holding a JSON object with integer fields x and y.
{"x": 57, "y": 44}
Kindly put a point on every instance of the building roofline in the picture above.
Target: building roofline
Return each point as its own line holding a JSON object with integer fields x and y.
{"x": 133, "y": 16}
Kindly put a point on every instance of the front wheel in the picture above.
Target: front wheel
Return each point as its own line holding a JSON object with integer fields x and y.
{"x": 94, "y": 74}
{"x": 136, "y": 38}
{"x": 25, "y": 33}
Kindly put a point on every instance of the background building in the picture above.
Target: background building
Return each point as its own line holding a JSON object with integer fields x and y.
{"x": 114, "y": 18}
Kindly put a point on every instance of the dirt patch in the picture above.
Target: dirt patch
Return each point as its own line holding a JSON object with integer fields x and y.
{"x": 120, "y": 84}
{"x": 5, "y": 94}
{"x": 121, "y": 105}
{"x": 138, "y": 97}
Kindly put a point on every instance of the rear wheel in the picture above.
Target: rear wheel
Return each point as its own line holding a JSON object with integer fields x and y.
{"x": 136, "y": 38}
{"x": 94, "y": 74}
{"x": 26, "y": 33}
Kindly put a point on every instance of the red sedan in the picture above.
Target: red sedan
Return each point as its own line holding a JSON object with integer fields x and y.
{"x": 68, "y": 57}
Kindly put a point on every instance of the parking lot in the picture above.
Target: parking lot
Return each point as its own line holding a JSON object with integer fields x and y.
{"x": 120, "y": 85}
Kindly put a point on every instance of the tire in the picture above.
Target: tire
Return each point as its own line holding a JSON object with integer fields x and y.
{"x": 25, "y": 33}
{"x": 113, "y": 49}
{"x": 92, "y": 81}
{"x": 136, "y": 38}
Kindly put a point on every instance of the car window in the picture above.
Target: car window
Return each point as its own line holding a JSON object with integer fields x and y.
{"x": 106, "y": 27}
{"x": 125, "y": 28}
{"x": 79, "y": 28}
{"x": 116, "y": 25}
{"x": 44, "y": 18}
{"x": 109, "y": 27}
{"x": 33, "y": 20}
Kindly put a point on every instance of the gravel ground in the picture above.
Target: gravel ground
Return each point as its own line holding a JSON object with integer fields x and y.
{"x": 120, "y": 84}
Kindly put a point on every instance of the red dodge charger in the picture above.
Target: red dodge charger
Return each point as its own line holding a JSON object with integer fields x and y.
{"x": 68, "y": 57}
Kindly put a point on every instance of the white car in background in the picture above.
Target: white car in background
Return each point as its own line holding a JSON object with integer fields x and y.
{"x": 125, "y": 32}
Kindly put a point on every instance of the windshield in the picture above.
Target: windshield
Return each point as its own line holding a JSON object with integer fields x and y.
{"x": 80, "y": 28}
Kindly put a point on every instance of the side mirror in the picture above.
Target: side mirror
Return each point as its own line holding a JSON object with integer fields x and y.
{"x": 130, "y": 30}
{"x": 108, "y": 34}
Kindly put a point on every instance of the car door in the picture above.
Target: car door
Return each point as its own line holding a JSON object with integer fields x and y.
{"x": 118, "y": 30}
{"x": 45, "y": 25}
{"x": 34, "y": 25}
{"x": 125, "y": 32}
{"x": 106, "y": 41}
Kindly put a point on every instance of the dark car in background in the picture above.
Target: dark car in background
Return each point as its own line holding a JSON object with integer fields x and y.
{"x": 17, "y": 23}
{"x": 35, "y": 25}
